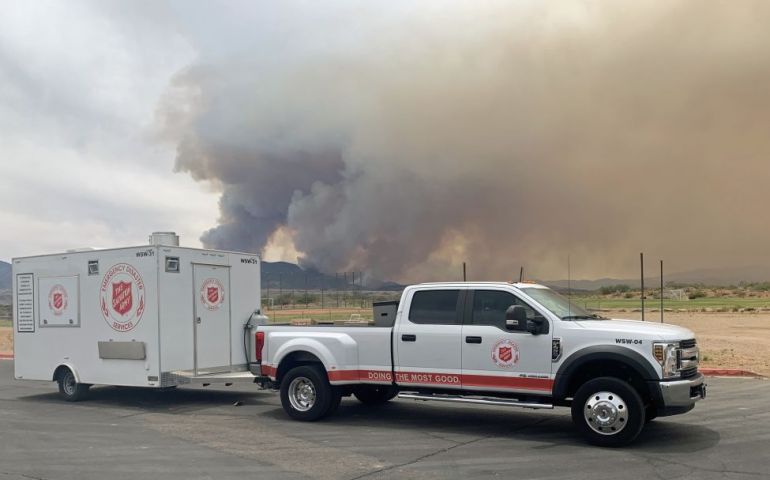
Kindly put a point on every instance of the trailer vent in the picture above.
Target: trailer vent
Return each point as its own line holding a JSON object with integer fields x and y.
{"x": 93, "y": 267}
{"x": 169, "y": 239}
{"x": 172, "y": 264}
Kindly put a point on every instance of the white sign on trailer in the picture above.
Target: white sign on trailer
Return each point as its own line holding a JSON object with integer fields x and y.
{"x": 25, "y": 303}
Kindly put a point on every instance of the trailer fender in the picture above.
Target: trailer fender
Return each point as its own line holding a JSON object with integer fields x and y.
{"x": 62, "y": 366}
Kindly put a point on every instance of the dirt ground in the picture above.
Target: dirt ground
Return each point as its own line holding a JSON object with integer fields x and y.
{"x": 727, "y": 340}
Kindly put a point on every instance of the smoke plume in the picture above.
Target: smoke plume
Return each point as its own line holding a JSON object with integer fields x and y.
{"x": 403, "y": 143}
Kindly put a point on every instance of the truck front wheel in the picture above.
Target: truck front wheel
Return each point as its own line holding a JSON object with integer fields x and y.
{"x": 306, "y": 394}
{"x": 69, "y": 388}
{"x": 374, "y": 395}
{"x": 608, "y": 412}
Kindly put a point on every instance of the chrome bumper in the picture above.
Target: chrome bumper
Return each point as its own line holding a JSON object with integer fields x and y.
{"x": 683, "y": 393}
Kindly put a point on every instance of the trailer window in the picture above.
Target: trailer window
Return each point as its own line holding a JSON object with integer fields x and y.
{"x": 435, "y": 307}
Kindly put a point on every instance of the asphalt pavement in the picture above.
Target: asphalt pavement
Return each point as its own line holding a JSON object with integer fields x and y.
{"x": 241, "y": 432}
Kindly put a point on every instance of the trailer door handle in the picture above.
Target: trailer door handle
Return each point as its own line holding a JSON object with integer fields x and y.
{"x": 472, "y": 339}
{"x": 198, "y": 320}
{"x": 408, "y": 338}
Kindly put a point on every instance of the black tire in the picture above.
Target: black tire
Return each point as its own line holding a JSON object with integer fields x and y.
{"x": 650, "y": 414}
{"x": 608, "y": 412}
{"x": 375, "y": 395}
{"x": 334, "y": 404}
{"x": 309, "y": 398}
{"x": 69, "y": 388}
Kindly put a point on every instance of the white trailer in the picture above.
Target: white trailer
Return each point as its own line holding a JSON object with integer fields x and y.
{"x": 156, "y": 316}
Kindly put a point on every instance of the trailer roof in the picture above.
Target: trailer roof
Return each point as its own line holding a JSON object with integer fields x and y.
{"x": 99, "y": 250}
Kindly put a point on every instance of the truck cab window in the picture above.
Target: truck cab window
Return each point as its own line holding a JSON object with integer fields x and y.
{"x": 435, "y": 307}
{"x": 489, "y": 307}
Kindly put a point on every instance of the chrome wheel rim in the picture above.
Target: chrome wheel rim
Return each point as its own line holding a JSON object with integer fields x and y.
{"x": 606, "y": 413}
{"x": 302, "y": 394}
{"x": 69, "y": 384}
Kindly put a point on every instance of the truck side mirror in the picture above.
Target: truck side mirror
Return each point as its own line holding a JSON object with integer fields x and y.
{"x": 535, "y": 325}
{"x": 516, "y": 318}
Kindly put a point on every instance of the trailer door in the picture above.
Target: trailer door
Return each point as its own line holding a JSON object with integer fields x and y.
{"x": 211, "y": 290}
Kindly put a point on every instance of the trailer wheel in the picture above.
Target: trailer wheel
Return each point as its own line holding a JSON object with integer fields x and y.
{"x": 375, "y": 395}
{"x": 609, "y": 412}
{"x": 69, "y": 388}
{"x": 306, "y": 394}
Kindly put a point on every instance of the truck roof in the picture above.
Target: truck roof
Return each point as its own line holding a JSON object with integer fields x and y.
{"x": 481, "y": 284}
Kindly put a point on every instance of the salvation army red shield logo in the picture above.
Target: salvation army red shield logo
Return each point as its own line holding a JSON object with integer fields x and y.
{"x": 122, "y": 297}
{"x": 505, "y": 353}
{"x": 57, "y": 300}
{"x": 212, "y": 294}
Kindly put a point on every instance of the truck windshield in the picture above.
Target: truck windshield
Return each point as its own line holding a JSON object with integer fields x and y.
{"x": 559, "y": 305}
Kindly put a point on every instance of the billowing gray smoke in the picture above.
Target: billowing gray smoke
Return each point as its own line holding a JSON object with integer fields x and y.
{"x": 503, "y": 134}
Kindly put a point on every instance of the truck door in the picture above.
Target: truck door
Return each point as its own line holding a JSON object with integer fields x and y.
{"x": 426, "y": 339}
{"x": 497, "y": 359}
{"x": 211, "y": 334}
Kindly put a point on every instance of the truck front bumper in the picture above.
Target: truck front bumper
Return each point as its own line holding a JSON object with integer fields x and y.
{"x": 677, "y": 396}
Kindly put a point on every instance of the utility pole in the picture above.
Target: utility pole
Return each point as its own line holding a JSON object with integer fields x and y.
{"x": 267, "y": 280}
{"x": 661, "y": 291}
{"x": 280, "y": 289}
{"x": 641, "y": 262}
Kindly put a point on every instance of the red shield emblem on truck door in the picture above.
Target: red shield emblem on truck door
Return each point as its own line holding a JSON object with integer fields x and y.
{"x": 213, "y": 294}
{"x": 505, "y": 354}
{"x": 122, "y": 299}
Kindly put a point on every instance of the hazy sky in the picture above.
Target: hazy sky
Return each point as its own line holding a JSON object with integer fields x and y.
{"x": 395, "y": 138}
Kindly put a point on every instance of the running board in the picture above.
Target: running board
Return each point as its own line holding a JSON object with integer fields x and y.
{"x": 475, "y": 400}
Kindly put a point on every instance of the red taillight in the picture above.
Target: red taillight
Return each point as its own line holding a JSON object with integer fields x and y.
{"x": 259, "y": 344}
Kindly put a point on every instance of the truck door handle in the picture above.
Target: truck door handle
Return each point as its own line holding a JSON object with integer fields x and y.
{"x": 408, "y": 338}
{"x": 472, "y": 339}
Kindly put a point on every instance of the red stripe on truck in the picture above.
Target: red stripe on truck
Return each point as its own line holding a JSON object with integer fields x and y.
{"x": 430, "y": 378}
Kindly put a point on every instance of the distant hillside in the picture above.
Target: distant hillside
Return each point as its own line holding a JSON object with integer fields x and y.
{"x": 5, "y": 276}
{"x": 706, "y": 276}
{"x": 291, "y": 276}
{"x": 5, "y": 283}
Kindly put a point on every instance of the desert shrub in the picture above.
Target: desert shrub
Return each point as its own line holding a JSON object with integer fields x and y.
{"x": 609, "y": 289}
{"x": 696, "y": 294}
{"x": 628, "y": 295}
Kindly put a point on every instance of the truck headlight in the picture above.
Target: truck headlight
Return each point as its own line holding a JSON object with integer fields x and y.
{"x": 665, "y": 354}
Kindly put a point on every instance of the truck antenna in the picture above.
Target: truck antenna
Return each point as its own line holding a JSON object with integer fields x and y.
{"x": 569, "y": 287}
{"x": 521, "y": 273}
{"x": 464, "y": 278}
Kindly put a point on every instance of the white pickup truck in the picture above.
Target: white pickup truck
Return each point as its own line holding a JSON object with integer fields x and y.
{"x": 508, "y": 344}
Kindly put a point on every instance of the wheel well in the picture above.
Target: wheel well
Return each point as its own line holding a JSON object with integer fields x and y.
{"x": 296, "y": 359}
{"x": 608, "y": 368}
{"x": 59, "y": 372}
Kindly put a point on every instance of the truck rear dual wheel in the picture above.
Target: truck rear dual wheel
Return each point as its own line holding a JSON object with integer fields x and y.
{"x": 306, "y": 394}
{"x": 69, "y": 388}
{"x": 608, "y": 412}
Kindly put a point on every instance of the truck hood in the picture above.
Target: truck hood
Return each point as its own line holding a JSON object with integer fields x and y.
{"x": 645, "y": 330}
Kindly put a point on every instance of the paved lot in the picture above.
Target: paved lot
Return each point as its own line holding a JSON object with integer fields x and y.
{"x": 200, "y": 433}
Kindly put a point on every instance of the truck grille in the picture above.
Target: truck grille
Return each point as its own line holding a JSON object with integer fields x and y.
{"x": 687, "y": 343}
{"x": 689, "y": 373}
